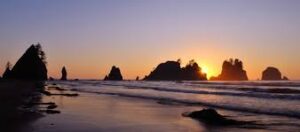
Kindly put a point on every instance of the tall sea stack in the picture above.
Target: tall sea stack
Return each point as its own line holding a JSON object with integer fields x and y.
{"x": 232, "y": 70}
{"x": 63, "y": 74}
{"x": 114, "y": 75}
{"x": 171, "y": 71}
{"x": 31, "y": 66}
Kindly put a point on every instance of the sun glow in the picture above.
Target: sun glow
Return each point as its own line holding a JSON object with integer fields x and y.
{"x": 206, "y": 70}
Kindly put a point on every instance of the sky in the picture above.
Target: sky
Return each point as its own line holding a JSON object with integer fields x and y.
{"x": 90, "y": 36}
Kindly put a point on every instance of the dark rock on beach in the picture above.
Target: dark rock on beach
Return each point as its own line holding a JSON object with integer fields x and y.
{"x": 212, "y": 117}
{"x": 114, "y": 75}
{"x": 171, "y": 70}
{"x": 232, "y": 70}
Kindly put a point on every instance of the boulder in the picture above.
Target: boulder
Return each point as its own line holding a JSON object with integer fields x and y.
{"x": 212, "y": 117}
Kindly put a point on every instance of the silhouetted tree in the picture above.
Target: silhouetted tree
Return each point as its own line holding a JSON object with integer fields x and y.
{"x": 7, "y": 72}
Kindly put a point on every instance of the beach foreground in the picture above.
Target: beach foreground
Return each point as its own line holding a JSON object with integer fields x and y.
{"x": 91, "y": 112}
{"x": 111, "y": 110}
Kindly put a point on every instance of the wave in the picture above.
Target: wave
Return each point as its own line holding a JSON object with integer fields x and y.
{"x": 192, "y": 91}
{"x": 172, "y": 92}
{"x": 293, "y": 114}
{"x": 250, "y": 83}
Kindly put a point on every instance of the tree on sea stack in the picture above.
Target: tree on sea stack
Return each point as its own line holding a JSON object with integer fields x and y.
{"x": 7, "y": 72}
{"x": 31, "y": 66}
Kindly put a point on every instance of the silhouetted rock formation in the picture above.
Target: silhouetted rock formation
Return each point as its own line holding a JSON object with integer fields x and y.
{"x": 115, "y": 74}
{"x": 171, "y": 70}
{"x": 51, "y": 79}
{"x": 137, "y": 78}
{"x": 211, "y": 117}
{"x": 232, "y": 70}
{"x": 7, "y": 72}
{"x": 285, "y": 78}
{"x": 63, "y": 74}
{"x": 31, "y": 66}
{"x": 272, "y": 73}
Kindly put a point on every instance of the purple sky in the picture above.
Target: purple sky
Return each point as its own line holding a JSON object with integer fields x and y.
{"x": 89, "y": 36}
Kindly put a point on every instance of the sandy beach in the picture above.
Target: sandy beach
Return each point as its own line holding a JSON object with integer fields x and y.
{"x": 106, "y": 112}
{"x": 109, "y": 110}
{"x": 91, "y": 112}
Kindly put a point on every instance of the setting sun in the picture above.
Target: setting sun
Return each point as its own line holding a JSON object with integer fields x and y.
{"x": 205, "y": 70}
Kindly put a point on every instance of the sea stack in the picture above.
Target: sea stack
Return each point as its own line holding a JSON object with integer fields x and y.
{"x": 31, "y": 66}
{"x": 272, "y": 73}
{"x": 63, "y": 74}
{"x": 232, "y": 70}
{"x": 171, "y": 71}
{"x": 114, "y": 75}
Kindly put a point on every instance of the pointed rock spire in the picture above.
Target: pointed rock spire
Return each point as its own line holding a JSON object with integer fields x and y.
{"x": 31, "y": 66}
{"x": 64, "y": 73}
{"x": 115, "y": 74}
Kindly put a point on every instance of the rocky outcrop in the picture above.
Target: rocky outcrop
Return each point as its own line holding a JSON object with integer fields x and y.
{"x": 211, "y": 117}
{"x": 232, "y": 70}
{"x": 114, "y": 75}
{"x": 285, "y": 78}
{"x": 31, "y": 66}
{"x": 272, "y": 73}
{"x": 63, "y": 74}
{"x": 171, "y": 70}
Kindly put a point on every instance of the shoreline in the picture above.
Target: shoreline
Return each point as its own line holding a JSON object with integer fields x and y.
{"x": 113, "y": 112}
{"x": 91, "y": 112}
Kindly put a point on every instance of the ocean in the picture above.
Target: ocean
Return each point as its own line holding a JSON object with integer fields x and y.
{"x": 275, "y": 104}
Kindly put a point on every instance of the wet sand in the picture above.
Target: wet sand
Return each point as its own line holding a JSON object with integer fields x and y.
{"x": 94, "y": 112}
{"x": 99, "y": 112}
{"x": 91, "y": 112}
